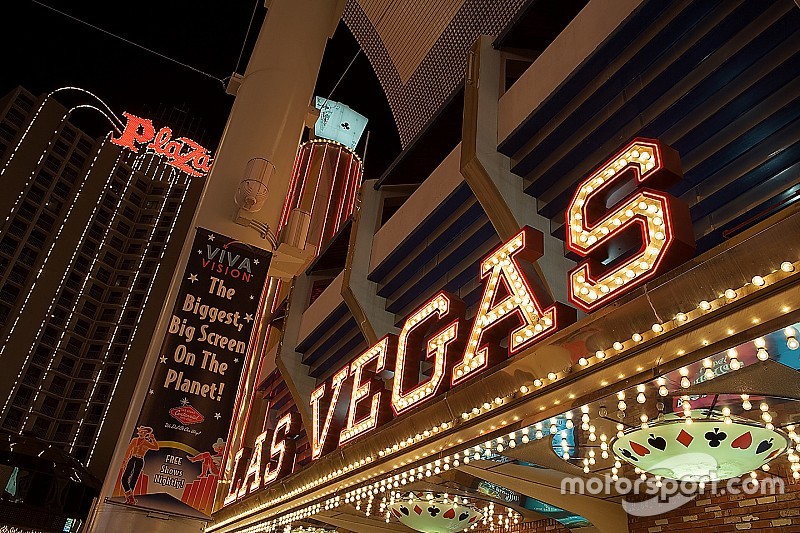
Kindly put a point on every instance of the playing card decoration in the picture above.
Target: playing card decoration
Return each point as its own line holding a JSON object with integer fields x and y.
{"x": 706, "y": 450}
{"x": 435, "y": 516}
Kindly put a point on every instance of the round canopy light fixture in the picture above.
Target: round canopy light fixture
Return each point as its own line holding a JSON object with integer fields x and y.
{"x": 708, "y": 449}
{"x": 436, "y": 515}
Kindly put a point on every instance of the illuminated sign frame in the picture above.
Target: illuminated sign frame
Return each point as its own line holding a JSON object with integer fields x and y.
{"x": 595, "y": 228}
{"x": 513, "y": 307}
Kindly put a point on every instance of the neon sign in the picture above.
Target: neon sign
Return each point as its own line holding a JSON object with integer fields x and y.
{"x": 605, "y": 217}
{"x": 596, "y": 230}
{"x": 182, "y": 153}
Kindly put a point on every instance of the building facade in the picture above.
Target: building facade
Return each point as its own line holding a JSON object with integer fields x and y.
{"x": 88, "y": 235}
{"x": 594, "y": 288}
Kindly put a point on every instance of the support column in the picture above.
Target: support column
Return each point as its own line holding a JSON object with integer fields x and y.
{"x": 266, "y": 121}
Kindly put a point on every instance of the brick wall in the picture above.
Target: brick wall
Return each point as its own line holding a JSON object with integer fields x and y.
{"x": 778, "y": 513}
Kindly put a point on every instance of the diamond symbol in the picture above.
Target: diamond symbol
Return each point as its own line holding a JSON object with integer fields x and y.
{"x": 684, "y": 438}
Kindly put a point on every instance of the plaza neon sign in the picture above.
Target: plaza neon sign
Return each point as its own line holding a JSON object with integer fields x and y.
{"x": 182, "y": 153}
{"x": 628, "y": 233}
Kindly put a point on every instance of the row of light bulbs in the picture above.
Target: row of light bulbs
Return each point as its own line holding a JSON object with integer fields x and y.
{"x": 785, "y": 269}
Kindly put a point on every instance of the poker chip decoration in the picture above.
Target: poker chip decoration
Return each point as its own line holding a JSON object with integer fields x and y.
{"x": 708, "y": 449}
{"x": 435, "y": 516}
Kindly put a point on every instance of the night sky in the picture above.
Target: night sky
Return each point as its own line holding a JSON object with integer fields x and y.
{"x": 44, "y": 50}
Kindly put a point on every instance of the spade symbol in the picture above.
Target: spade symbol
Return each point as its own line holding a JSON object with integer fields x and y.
{"x": 764, "y": 445}
{"x": 629, "y": 455}
{"x": 404, "y": 510}
{"x": 433, "y": 510}
{"x": 657, "y": 442}
{"x": 463, "y": 516}
{"x": 715, "y": 437}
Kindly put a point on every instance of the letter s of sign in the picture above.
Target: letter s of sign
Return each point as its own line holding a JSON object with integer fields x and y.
{"x": 257, "y": 458}
{"x": 413, "y": 347}
{"x": 282, "y": 450}
{"x": 627, "y": 240}
{"x": 514, "y": 289}
{"x": 137, "y": 131}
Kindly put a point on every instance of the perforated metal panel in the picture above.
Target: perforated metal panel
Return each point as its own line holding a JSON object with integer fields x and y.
{"x": 416, "y": 88}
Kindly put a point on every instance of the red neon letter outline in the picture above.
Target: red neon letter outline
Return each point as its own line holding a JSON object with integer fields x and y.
{"x": 382, "y": 353}
{"x": 662, "y": 222}
{"x": 511, "y": 266}
{"x": 412, "y": 348}
{"x": 283, "y": 446}
{"x": 320, "y": 444}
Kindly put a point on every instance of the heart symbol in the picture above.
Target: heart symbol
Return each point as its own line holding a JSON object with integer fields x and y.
{"x": 657, "y": 442}
{"x": 639, "y": 449}
{"x": 764, "y": 445}
{"x": 418, "y": 509}
{"x": 449, "y": 514}
{"x": 404, "y": 510}
{"x": 743, "y": 441}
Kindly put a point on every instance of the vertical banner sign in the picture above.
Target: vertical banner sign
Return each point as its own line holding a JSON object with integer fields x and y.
{"x": 173, "y": 460}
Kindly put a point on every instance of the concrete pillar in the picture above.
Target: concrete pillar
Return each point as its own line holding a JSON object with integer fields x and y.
{"x": 266, "y": 121}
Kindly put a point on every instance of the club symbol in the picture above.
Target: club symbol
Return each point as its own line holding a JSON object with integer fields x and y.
{"x": 345, "y": 125}
{"x": 715, "y": 437}
{"x": 433, "y": 510}
{"x": 764, "y": 445}
{"x": 658, "y": 443}
{"x": 628, "y": 454}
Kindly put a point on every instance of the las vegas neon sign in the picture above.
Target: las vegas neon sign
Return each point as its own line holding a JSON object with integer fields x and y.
{"x": 182, "y": 153}
{"x": 621, "y": 222}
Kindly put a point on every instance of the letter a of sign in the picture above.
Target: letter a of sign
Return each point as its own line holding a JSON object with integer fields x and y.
{"x": 630, "y": 240}
{"x": 509, "y": 299}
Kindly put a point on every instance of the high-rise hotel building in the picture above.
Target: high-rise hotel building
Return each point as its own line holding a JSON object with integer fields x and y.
{"x": 86, "y": 245}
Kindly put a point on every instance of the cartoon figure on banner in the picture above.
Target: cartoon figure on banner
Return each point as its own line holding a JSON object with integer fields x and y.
{"x": 134, "y": 460}
{"x": 210, "y": 463}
